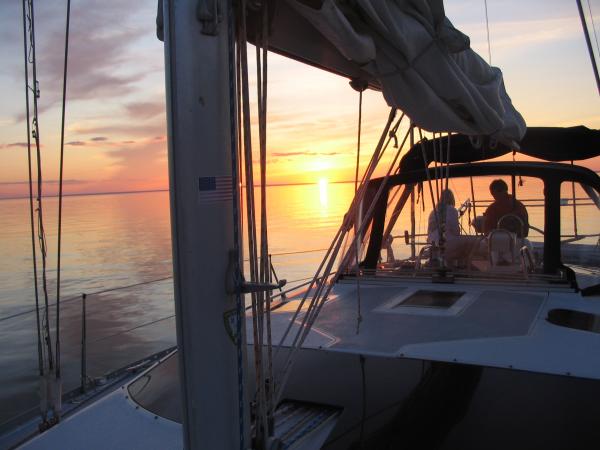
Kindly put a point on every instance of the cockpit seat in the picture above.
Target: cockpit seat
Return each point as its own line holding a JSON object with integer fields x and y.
{"x": 501, "y": 248}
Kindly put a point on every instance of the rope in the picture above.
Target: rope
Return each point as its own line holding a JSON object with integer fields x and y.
{"x": 593, "y": 25}
{"x": 265, "y": 274}
{"x": 299, "y": 252}
{"x": 235, "y": 174}
{"x": 40, "y": 222}
{"x": 326, "y": 263}
{"x": 41, "y": 235}
{"x": 589, "y": 43}
{"x": 426, "y": 164}
{"x": 448, "y": 163}
{"x": 360, "y": 95}
{"x": 32, "y": 223}
{"x": 574, "y": 205}
{"x": 257, "y": 300}
{"x": 487, "y": 26}
{"x": 60, "y": 189}
{"x": 323, "y": 289}
{"x": 357, "y": 220}
{"x": 341, "y": 230}
{"x": 473, "y": 197}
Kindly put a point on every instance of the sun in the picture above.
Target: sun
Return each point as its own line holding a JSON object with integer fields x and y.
{"x": 323, "y": 191}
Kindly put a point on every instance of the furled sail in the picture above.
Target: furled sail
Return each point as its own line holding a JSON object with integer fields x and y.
{"x": 409, "y": 49}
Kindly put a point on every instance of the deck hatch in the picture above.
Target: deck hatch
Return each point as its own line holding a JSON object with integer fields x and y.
{"x": 578, "y": 320}
{"x": 431, "y": 299}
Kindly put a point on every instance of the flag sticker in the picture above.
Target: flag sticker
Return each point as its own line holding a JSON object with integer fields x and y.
{"x": 214, "y": 189}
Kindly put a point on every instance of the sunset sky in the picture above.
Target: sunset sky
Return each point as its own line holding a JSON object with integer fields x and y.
{"x": 116, "y": 130}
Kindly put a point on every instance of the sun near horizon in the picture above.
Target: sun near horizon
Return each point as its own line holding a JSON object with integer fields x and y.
{"x": 116, "y": 125}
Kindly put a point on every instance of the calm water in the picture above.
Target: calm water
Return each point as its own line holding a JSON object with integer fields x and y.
{"x": 112, "y": 241}
{"x": 115, "y": 241}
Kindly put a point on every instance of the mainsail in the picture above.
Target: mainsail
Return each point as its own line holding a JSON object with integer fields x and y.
{"x": 412, "y": 52}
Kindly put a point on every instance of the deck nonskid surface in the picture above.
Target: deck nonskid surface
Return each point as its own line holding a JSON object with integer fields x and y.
{"x": 489, "y": 325}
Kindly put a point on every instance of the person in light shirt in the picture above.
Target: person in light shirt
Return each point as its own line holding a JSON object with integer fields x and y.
{"x": 457, "y": 247}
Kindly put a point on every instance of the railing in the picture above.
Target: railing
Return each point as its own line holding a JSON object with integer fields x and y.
{"x": 101, "y": 331}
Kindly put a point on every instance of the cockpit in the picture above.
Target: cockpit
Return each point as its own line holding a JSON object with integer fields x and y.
{"x": 539, "y": 222}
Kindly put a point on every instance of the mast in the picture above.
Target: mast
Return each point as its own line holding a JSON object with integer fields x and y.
{"x": 202, "y": 196}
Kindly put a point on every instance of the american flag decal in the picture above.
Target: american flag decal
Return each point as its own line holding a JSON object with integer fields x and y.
{"x": 214, "y": 189}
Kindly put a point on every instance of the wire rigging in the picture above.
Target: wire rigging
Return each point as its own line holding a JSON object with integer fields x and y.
{"x": 49, "y": 394}
{"x": 593, "y": 26}
{"x": 26, "y": 27}
{"x": 487, "y": 26}
{"x": 236, "y": 171}
{"x": 60, "y": 187}
{"x": 589, "y": 42}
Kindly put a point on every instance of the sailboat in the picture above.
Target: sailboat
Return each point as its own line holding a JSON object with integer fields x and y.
{"x": 394, "y": 344}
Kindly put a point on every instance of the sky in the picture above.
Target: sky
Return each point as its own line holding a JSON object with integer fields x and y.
{"x": 115, "y": 119}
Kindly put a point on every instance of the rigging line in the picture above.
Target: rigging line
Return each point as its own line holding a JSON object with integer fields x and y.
{"x": 448, "y": 163}
{"x": 362, "y": 192}
{"x": 413, "y": 248}
{"x": 347, "y": 219}
{"x": 574, "y": 205}
{"x": 473, "y": 198}
{"x": 306, "y": 281}
{"x": 334, "y": 246}
{"x": 357, "y": 219}
{"x": 333, "y": 249}
{"x": 589, "y": 43}
{"x": 360, "y": 95}
{"x": 426, "y": 164}
{"x": 60, "y": 189}
{"x": 435, "y": 168}
{"x": 593, "y": 25}
{"x": 264, "y": 223}
{"x": 487, "y": 26}
{"x": 251, "y": 219}
{"x": 32, "y": 223}
{"x": 319, "y": 300}
{"x": 300, "y": 252}
{"x": 235, "y": 174}
{"x": 39, "y": 199}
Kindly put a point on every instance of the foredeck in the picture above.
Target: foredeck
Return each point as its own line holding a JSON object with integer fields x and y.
{"x": 488, "y": 324}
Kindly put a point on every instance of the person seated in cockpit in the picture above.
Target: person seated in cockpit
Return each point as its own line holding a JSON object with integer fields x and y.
{"x": 456, "y": 246}
{"x": 505, "y": 212}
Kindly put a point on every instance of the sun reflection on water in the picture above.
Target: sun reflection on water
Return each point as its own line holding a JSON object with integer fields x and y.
{"x": 323, "y": 199}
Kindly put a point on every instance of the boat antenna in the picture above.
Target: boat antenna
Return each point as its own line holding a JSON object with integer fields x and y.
{"x": 588, "y": 40}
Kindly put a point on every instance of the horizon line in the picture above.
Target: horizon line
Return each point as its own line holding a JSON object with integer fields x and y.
{"x": 142, "y": 191}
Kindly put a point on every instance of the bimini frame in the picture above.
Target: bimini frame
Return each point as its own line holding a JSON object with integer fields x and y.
{"x": 552, "y": 175}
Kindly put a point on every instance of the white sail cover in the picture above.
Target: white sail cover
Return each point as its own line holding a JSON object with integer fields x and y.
{"x": 424, "y": 65}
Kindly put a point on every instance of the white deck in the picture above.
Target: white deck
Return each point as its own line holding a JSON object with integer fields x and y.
{"x": 112, "y": 422}
{"x": 491, "y": 325}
